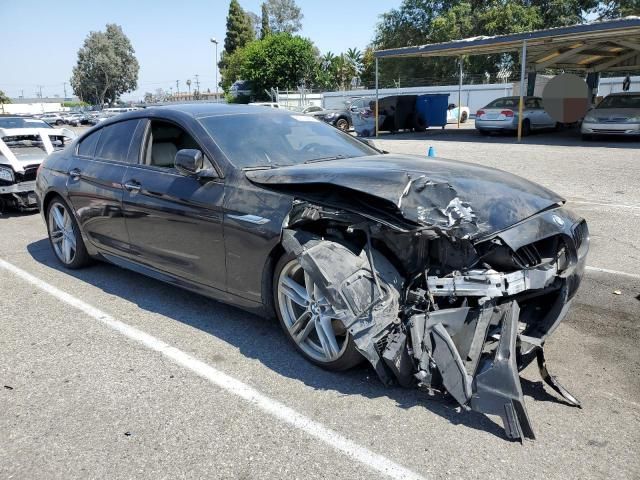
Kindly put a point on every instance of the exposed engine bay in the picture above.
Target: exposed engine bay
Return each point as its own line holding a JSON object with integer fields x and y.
{"x": 434, "y": 303}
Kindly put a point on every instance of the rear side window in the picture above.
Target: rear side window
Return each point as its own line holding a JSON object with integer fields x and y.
{"x": 87, "y": 146}
{"x": 115, "y": 141}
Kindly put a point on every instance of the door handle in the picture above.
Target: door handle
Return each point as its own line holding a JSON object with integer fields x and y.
{"x": 74, "y": 173}
{"x": 132, "y": 186}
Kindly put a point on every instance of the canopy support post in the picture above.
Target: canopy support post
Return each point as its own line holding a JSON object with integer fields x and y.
{"x": 460, "y": 91}
{"x": 523, "y": 66}
{"x": 376, "y": 112}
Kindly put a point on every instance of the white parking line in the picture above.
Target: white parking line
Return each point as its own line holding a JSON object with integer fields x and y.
{"x": 613, "y": 272}
{"x": 230, "y": 384}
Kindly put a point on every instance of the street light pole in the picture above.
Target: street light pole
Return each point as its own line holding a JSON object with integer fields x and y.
{"x": 215, "y": 65}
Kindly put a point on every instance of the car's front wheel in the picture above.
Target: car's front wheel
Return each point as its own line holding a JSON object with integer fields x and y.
{"x": 64, "y": 236}
{"x": 342, "y": 124}
{"x": 308, "y": 319}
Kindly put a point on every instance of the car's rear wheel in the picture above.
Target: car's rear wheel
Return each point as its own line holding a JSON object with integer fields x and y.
{"x": 342, "y": 124}
{"x": 309, "y": 320}
{"x": 64, "y": 236}
{"x": 59, "y": 122}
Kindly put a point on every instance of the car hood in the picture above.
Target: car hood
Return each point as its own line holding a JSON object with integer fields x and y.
{"x": 463, "y": 199}
{"x": 614, "y": 113}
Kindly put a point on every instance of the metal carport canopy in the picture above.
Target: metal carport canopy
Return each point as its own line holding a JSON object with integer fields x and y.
{"x": 593, "y": 47}
{"x": 612, "y": 45}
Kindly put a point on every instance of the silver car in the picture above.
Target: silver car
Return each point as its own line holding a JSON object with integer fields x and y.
{"x": 616, "y": 114}
{"x": 501, "y": 115}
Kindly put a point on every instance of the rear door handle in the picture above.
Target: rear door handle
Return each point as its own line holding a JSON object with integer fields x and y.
{"x": 75, "y": 173}
{"x": 132, "y": 186}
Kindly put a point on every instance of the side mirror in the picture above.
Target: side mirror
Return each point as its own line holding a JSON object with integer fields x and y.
{"x": 188, "y": 161}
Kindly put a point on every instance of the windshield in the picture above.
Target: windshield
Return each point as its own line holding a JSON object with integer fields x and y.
{"x": 17, "y": 122}
{"x": 620, "y": 101}
{"x": 273, "y": 139}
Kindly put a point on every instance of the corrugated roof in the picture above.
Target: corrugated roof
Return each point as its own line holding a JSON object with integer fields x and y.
{"x": 598, "y": 46}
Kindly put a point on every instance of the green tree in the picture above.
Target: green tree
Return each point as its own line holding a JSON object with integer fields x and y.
{"x": 265, "y": 29}
{"x": 239, "y": 28}
{"x": 106, "y": 67}
{"x": 279, "y": 60}
{"x": 284, "y": 16}
{"x": 354, "y": 57}
{"x": 617, "y": 8}
{"x": 4, "y": 98}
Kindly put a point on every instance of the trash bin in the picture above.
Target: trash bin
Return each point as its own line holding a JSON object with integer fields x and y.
{"x": 431, "y": 110}
{"x": 399, "y": 112}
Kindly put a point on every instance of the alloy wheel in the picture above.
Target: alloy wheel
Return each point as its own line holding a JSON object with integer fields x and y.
{"x": 310, "y": 320}
{"x": 62, "y": 234}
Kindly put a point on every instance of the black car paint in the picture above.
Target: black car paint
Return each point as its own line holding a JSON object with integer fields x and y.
{"x": 230, "y": 261}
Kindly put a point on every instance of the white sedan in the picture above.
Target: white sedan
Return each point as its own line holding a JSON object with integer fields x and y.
{"x": 617, "y": 114}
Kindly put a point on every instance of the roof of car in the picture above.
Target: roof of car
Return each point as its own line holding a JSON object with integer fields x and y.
{"x": 622, "y": 94}
{"x": 199, "y": 110}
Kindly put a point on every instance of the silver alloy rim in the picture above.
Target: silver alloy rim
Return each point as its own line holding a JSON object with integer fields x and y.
{"x": 310, "y": 319}
{"x": 63, "y": 238}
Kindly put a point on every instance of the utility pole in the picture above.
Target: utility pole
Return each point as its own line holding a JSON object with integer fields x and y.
{"x": 197, "y": 82}
{"x": 64, "y": 86}
{"x": 21, "y": 93}
{"x": 215, "y": 65}
{"x": 177, "y": 87}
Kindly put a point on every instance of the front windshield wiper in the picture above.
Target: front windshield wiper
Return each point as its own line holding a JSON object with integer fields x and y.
{"x": 326, "y": 159}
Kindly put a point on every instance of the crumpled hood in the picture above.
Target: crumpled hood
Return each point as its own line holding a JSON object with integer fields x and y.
{"x": 471, "y": 200}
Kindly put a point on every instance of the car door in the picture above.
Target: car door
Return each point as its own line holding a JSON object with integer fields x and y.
{"x": 174, "y": 220}
{"x": 94, "y": 184}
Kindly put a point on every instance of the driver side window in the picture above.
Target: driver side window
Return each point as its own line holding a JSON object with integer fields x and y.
{"x": 164, "y": 141}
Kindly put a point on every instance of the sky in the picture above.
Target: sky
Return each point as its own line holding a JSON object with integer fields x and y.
{"x": 40, "y": 39}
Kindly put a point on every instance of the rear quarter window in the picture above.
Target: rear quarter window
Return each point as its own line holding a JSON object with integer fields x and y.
{"x": 87, "y": 147}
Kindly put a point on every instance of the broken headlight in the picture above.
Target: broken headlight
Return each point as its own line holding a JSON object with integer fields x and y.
{"x": 6, "y": 174}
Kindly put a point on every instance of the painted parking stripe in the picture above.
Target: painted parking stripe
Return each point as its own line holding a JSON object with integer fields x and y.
{"x": 232, "y": 385}
{"x": 613, "y": 272}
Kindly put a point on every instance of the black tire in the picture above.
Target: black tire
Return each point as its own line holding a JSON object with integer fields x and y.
{"x": 349, "y": 358}
{"x": 526, "y": 128}
{"x": 81, "y": 257}
{"x": 342, "y": 124}
{"x": 59, "y": 122}
{"x": 463, "y": 117}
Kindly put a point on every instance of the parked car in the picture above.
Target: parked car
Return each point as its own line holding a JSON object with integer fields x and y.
{"x": 52, "y": 118}
{"x": 24, "y": 143}
{"x": 338, "y": 117}
{"x": 437, "y": 272}
{"x": 76, "y": 119}
{"x": 453, "y": 112}
{"x": 501, "y": 115}
{"x": 616, "y": 114}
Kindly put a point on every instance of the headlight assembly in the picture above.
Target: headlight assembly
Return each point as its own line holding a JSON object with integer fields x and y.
{"x": 590, "y": 119}
{"x": 6, "y": 174}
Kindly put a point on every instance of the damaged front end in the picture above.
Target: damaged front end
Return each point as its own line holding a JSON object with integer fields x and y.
{"x": 432, "y": 301}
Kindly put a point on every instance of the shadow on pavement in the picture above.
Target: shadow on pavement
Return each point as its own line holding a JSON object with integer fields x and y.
{"x": 262, "y": 339}
{"x": 567, "y": 138}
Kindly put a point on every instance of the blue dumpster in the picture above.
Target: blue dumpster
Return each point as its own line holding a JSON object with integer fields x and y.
{"x": 431, "y": 110}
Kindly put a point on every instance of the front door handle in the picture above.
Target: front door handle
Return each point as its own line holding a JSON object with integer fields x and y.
{"x": 74, "y": 173}
{"x": 132, "y": 186}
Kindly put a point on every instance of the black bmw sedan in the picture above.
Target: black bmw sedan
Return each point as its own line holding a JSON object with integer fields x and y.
{"x": 438, "y": 273}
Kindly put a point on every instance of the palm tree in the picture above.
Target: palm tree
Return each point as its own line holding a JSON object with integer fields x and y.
{"x": 189, "y": 85}
{"x": 327, "y": 60}
{"x": 354, "y": 57}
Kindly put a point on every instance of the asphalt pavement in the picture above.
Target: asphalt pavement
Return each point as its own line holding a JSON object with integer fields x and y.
{"x": 107, "y": 374}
